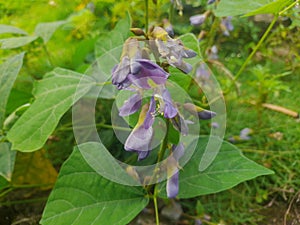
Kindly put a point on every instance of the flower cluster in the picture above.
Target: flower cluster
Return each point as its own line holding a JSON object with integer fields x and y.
{"x": 137, "y": 73}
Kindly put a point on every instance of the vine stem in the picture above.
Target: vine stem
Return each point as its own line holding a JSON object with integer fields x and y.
{"x": 262, "y": 39}
{"x": 156, "y": 205}
{"x": 289, "y": 7}
{"x": 160, "y": 157}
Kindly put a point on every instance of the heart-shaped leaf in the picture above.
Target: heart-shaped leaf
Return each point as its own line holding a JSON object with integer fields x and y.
{"x": 8, "y": 74}
{"x": 82, "y": 196}
{"x": 55, "y": 94}
{"x": 229, "y": 168}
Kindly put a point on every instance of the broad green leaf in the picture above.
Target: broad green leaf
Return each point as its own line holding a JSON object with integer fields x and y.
{"x": 8, "y": 74}
{"x": 7, "y": 160}
{"x": 238, "y": 7}
{"x": 34, "y": 168}
{"x": 54, "y": 94}
{"x": 271, "y": 8}
{"x": 16, "y": 42}
{"x": 108, "y": 50}
{"x": 16, "y": 99}
{"x": 190, "y": 41}
{"x": 82, "y": 196}
{"x": 102, "y": 162}
{"x": 10, "y": 29}
{"x": 229, "y": 168}
{"x": 46, "y": 30}
{"x": 180, "y": 78}
{"x": 115, "y": 38}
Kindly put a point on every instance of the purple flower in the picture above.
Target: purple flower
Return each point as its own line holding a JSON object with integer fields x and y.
{"x": 180, "y": 124}
{"x": 210, "y": 2}
{"x": 169, "y": 110}
{"x": 198, "y": 222}
{"x": 171, "y": 49}
{"x": 197, "y": 20}
{"x": 198, "y": 111}
{"x": 147, "y": 74}
{"x": 132, "y": 105}
{"x": 173, "y": 185}
{"x": 213, "y": 53}
{"x": 202, "y": 72}
{"x": 215, "y": 125}
{"x": 131, "y": 52}
{"x": 168, "y": 27}
{"x": 140, "y": 138}
{"x": 244, "y": 134}
{"x": 173, "y": 171}
{"x": 226, "y": 25}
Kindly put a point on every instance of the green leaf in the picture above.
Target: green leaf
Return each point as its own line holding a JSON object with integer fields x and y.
{"x": 98, "y": 157}
{"x": 7, "y": 160}
{"x": 115, "y": 38}
{"x": 8, "y": 74}
{"x": 10, "y": 29}
{"x": 46, "y": 30}
{"x": 16, "y": 42}
{"x": 54, "y": 94}
{"x": 16, "y": 99}
{"x": 108, "y": 50}
{"x": 180, "y": 78}
{"x": 229, "y": 168}
{"x": 190, "y": 41}
{"x": 238, "y": 7}
{"x": 271, "y": 8}
{"x": 82, "y": 196}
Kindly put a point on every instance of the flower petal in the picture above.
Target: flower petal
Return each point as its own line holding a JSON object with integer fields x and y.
{"x": 180, "y": 124}
{"x": 150, "y": 114}
{"x": 197, "y": 19}
{"x": 169, "y": 110}
{"x": 173, "y": 185}
{"x": 120, "y": 72}
{"x": 139, "y": 139}
{"x": 198, "y": 111}
{"x": 132, "y": 105}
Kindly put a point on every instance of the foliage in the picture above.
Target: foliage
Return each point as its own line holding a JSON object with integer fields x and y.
{"x": 71, "y": 59}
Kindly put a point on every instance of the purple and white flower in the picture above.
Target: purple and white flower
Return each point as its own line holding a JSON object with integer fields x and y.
{"x": 173, "y": 170}
{"x": 226, "y": 25}
{"x": 171, "y": 49}
{"x": 198, "y": 19}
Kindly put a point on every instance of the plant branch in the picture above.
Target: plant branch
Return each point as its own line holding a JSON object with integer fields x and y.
{"x": 256, "y": 47}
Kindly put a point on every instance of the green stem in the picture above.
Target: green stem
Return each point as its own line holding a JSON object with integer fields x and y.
{"x": 164, "y": 144}
{"x": 213, "y": 31}
{"x": 289, "y": 7}
{"x": 146, "y": 15}
{"x": 256, "y": 48}
{"x": 24, "y": 201}
{"x": 156, "y": 205}
{"x": 102, "y": 125}
{"x": 160, "y": 157}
